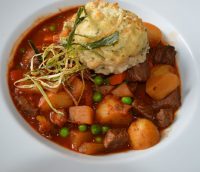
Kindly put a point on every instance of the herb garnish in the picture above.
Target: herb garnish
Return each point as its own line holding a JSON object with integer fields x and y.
{"x": 78, "y": 20}
{"x": 106, "y": 41}
{"x": 58, "y": 62}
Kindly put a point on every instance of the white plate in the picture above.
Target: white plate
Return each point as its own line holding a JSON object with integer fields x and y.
{"x": 22, "y": 149}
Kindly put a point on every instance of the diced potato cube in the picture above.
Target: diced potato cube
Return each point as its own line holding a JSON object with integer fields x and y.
{"x": 91, "y": 148}
{"x": 78, "y": 137}
{"x": 81, "y": 114}
{"x": 158, "y": 87}
{"x": 162, "y": 70}
{"x": 58, "y": 100}
{"x": 112, "y": 111}
{"x": 122, "y": 90}
{"x": 76, "y": 87}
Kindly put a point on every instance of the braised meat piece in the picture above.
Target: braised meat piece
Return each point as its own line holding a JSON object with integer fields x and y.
{"x": 164, "y": 55}
{"x": 143, "y": 108}
{"x": 132, "y": 86}
{"x": 172, "y": 101}
{"x": 58, "y": 119}
{"x": 87, "y": 74}
{"x": 140, "y": 72}
{"x": 26, "y": 105}
{"x": 26, "y": 59}
{"x": 116, "y": 139}
{"x": 44, "y": 124}
{"x": 164, "y": 117}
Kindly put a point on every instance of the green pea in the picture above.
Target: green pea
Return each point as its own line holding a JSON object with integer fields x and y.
{"x": 64, "y": 132}
{"x": 127, "y": 100}
{"x": 97, "y": 96}
{"x": 105, "y": 129}
{"x": 52, "y": 28}
{"x": 96, "y": 129}
{"x": 98, "y": 80}
{"x": 82, "y": 127}
{"x": 98, "y": 139}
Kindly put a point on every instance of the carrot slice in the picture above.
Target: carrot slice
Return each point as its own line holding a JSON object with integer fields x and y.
{"x": 64, "y": 32}
{"x": 117, "y": 78}
{"x": 154, "y": 34}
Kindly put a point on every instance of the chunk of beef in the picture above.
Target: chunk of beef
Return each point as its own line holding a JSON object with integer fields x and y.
{"x": 26, "y": 106}
{"x": 44, "y": 124}
{"x": 164, "y": 55}
{"x": 132, "y": 86}
{"x": 164, "y": 118}
{"x": 144, "y": 108}
{"x": 58, "y": 119}
{"x": 140, "y": 72}
{"x": 87, "y": 74}
{"x": 172, "y": 101}
{"x": 36, "y": 62}
{"x": 116, "y": 139}
{"x": 26, "y": 59}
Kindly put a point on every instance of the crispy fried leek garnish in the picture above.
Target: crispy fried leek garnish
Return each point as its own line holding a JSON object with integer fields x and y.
{"x": 58, "y": 62}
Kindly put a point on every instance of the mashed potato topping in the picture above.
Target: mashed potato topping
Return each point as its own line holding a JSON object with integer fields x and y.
{"x": 103, "y": 19}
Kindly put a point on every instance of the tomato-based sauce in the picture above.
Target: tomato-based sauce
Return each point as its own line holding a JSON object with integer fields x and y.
{"x": 131, "y": 101}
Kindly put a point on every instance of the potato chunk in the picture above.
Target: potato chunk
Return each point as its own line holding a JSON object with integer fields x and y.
{"x": 77, "y": 138}
{"x": 112, "y": 111}
{"x": 122, "y": 90}
{"x": 162, "y": 82}
{"x": 143, "y": 134}
{"x": 58, "y": 119}
{"x": 81, "y": 114}
{"x": 76, "y": 87}
{"x": 162, "y": 70}
{"x": 58, "y": 100}
{"x": 158, "y": 87}
{"x": 91, "y": 148}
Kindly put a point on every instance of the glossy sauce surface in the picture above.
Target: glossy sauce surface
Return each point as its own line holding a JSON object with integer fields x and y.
{"x": 41, "y": 35}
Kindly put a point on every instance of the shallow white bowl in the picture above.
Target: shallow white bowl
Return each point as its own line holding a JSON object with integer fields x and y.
{"x": 35, "y": 145}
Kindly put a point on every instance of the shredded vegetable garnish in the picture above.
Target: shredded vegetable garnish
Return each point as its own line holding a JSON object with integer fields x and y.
{"x": 56, "y": 63}
{"x": 70, "y": 94}
{"x": 44, "y": 95}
